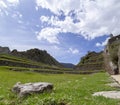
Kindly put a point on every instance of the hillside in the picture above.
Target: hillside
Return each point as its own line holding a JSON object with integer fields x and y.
{"x": 31, "y": 60}
{"x": 35, "y": 60}
{"x": 112, "y": 55}
{"x": 67, "y": 65}
{"x": 91, "y": 61}
{"x": 37, "y": 55}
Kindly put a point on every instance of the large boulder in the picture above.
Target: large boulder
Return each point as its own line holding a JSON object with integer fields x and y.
{"x": 29, "y": 88}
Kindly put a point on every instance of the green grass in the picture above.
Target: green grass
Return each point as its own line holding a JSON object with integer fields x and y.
{"x": 68, "y": 88}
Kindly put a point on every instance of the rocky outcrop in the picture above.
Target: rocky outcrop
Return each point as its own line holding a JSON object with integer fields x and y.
{"x": 112, "y": 55}
{"x": 4, "y": 50}
{"x": 26, "y": 89}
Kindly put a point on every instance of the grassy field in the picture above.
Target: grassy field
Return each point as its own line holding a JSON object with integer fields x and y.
{"x": 68, "y": 89}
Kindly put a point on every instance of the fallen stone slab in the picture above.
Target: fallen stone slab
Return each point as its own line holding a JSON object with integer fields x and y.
{"x": 30, "y": 88}
{"x": 108, "y": 94}
{"x": 116, "y": 78}
{"x": 115, "y": 85}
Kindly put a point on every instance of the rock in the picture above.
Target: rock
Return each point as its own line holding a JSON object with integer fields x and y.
{"x": 108, "y": 94}
{"x": 29, "y": 88}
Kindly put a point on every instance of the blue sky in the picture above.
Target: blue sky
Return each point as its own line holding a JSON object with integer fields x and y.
{"x": 67, "y": 29}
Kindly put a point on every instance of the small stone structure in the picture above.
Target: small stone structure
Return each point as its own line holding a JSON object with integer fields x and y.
{"x": 29, "y": 88}
{"x": 5, "y": 50}
{"x": 113, "y": 39}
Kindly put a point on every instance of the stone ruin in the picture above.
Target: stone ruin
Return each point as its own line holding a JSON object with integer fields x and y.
{"x": 111, "y": 67}
{"x": 4, "y": 50}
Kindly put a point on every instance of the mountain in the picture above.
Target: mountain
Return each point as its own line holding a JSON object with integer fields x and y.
{"x": 38, "y": 56}
{"x": 35, "y": 60}
{"x": 112, "y": 55}
{"x": 30, "y": 58}
{"x": 67, "y": 65}
{"x": 91, "y": 61}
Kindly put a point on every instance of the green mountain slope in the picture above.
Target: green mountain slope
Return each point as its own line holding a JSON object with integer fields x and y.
{"x": 37, "y": 56}
{"x": 91, "y": 61}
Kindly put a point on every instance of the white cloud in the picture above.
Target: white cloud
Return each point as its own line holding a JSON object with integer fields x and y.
{"x": 49, "y": 34}
{"x": 56, "y": 6}
{"x": 103, "y": 43}
{"x": 73, "y": 51}
{"x": 44, "y": 18}
{"x": 5, "y": 6}
{"x": 17, "y": 15}
{"x": 96, "y": 17}
{"x": 2, "y": 4}
{"x": 13, "y": 2}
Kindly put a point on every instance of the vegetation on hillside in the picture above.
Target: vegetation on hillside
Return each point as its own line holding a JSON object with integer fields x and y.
{"x": 91, "y": 61}
{"x": 92, "y": 58}
{"x": 37, "y": 55}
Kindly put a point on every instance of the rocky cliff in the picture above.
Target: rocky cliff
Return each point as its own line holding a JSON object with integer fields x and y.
{"x": 112, "y": 55}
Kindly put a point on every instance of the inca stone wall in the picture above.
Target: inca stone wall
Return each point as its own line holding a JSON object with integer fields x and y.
{"x": 112, "y": 55}
{"x": 119, "y": 58}
{"x": 5, "y": 50}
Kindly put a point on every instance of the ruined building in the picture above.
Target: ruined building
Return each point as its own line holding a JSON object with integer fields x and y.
{"x": 112, "y": 55}
{"x": 4, "y": 50}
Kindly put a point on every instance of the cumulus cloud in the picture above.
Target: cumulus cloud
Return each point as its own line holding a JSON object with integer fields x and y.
{"x": 7, "y": 3}
{"x": 13, "y": 1}
{"x": 5, "y": 6}
{"x": 62, "y": 5}
{"x": 73, "y": 51}
{"x": 44, "y": 18}
{"x": 94, "y": 17}
{"x": 102, "y": 44}
{"x": 2, "y": 4}
{"x": 49, "y": 34}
